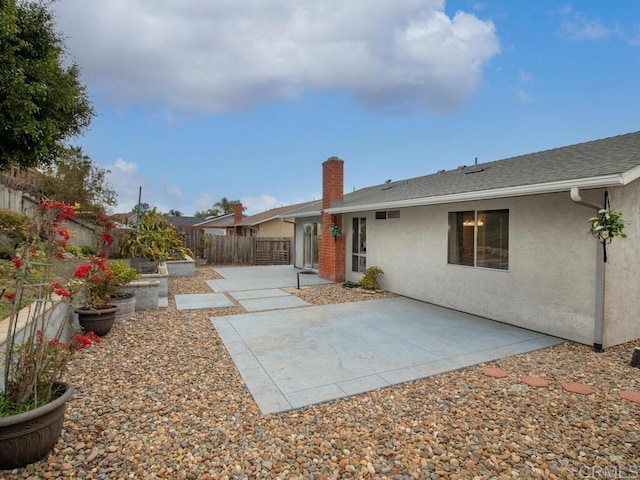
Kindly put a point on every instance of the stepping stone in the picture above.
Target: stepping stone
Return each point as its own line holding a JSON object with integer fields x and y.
{"x": 579, "y": 388}
{"x": 535, "y": 381}
{"x": 195, "y": 301}
{"x": 628, "y": 395}
{"x": 494, "y": 372}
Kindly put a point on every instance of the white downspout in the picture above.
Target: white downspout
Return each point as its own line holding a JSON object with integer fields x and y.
{"x": 598, "y": 334}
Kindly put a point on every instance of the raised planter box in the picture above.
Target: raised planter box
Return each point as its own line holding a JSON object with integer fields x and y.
{"x": 182, "y": 268}
{"x": 126, "y": 306}
{"x": 147, "y": 293}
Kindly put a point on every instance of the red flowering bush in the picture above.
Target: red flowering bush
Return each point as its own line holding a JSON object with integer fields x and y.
{"x": 35, "y": 355}
{"x": 80, "y": 341}
{"x": 96, "y": 283}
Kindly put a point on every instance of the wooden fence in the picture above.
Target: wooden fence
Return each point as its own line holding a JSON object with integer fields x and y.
{"x": 237, "y": 250}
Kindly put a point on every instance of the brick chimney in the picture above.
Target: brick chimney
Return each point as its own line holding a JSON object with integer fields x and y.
{"x": 237, "y": 217}
{"x": 331, "y": 249}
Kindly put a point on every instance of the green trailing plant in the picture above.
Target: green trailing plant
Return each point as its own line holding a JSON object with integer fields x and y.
{"x": 607, "y": 225}
{"x": 370, "y": 279}
{"x": 155, "y": 238}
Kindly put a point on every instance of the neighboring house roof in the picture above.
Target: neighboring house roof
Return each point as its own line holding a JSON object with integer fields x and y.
{"x": 221, "y": 221}
{"x": 125, "y": 218}
{"x": 311, "y": 209}
{"x": 613, "y": 161}
{"x": 278, "y": 213}
{"x": 180, "y": 221}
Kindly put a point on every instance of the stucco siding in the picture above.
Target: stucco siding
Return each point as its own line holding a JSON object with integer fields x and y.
{"x": 275, "y": 228}
{"x": 622, "y": 271}
{"x": 549, "y": 286}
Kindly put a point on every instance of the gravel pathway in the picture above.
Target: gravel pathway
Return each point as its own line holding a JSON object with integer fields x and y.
{"x": 159, "y": 397}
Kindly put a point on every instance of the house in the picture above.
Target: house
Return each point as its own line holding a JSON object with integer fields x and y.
{"x": 222, "y": 224}
{"x": 506, "y": 240}
{"x": 274, "y": 222}
{"x": 184, "y": 225}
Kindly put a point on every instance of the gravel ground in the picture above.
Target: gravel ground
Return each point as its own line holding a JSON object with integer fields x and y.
{"x": 159, "y": 397}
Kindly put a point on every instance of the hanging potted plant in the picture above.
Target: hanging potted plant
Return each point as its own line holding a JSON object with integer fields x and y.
{"x": 607, "y": 225}
{"x": 33, "y": 396}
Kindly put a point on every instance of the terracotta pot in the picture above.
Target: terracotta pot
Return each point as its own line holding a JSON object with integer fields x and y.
{"x": 28, "y": 437}
{"x": 98, "y": 321}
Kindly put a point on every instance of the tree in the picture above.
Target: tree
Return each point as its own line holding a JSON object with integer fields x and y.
{"x": 42, "y": 102}
{"x": 144, "y": 208}
{"x": 175, "y": 213}
{"x": 74, "y": 178}
{"x": 219, "y": 208}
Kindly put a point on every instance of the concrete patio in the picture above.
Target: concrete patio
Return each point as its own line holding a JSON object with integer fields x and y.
{"x": 300, "y": 355}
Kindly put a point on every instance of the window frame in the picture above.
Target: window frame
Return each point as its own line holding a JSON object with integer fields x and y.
{"x": 493, "y": 257}
{"x": 358, "y": 246}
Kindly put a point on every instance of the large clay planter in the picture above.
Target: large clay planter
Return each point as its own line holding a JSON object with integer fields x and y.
{"x": 98, "y": 321}
{"x": 28, "y": 437}
{"x": 126, "y": 304}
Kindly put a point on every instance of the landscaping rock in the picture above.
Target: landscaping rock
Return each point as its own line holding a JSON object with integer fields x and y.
{"x": 159, "y": 397}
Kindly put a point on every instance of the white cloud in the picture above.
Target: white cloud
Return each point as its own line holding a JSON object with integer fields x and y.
{"x": 259, "y": 204}
{"x": 215, "y": 56}
{"x": 126, "y": 181}
{"x": 204, "y": 202}
{"x": 577, "y": 27}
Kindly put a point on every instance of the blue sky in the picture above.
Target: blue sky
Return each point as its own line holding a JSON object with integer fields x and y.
{"x": 202, "y": 99}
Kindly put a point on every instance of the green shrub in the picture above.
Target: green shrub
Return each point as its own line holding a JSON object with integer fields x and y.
{"x": 122, "y": 273}
{"x": 73, "y": 251}
{"x": 370, "y": 279}
{"x": 12, "y": 228}
{"x": 88, "y": 251}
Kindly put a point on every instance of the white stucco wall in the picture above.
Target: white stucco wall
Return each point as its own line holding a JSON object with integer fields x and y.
{"x": 550, "y": 284}
{"x": 622, "y": 271}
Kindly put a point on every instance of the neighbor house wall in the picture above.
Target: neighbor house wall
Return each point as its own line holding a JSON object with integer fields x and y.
{"x": 275, "y": 228}
{"x": 622, "y": 280}
{"x": 550, "y": 284}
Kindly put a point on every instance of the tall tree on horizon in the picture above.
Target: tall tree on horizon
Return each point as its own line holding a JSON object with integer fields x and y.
{"x": 221, "y": 207}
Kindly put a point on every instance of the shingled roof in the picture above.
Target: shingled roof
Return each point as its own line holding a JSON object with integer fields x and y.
{"x": 612, "y": 161}
{"x": 274, "y": 213}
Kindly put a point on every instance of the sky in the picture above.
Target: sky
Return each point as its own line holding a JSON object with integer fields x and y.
{"x": 197, "y": 100}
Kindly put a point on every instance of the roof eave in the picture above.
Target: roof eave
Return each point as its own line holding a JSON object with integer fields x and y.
{"x": 517, "y": 191}
{"x": 315, "y": 213}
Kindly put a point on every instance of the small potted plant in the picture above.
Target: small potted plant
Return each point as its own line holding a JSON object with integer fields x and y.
{"x": 94, "y": 285}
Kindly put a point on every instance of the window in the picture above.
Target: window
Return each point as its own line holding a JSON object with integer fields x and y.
{"x": 384, "y": 214}
{"x": 479, "y": 238}
{"x": 359, "y": 245}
